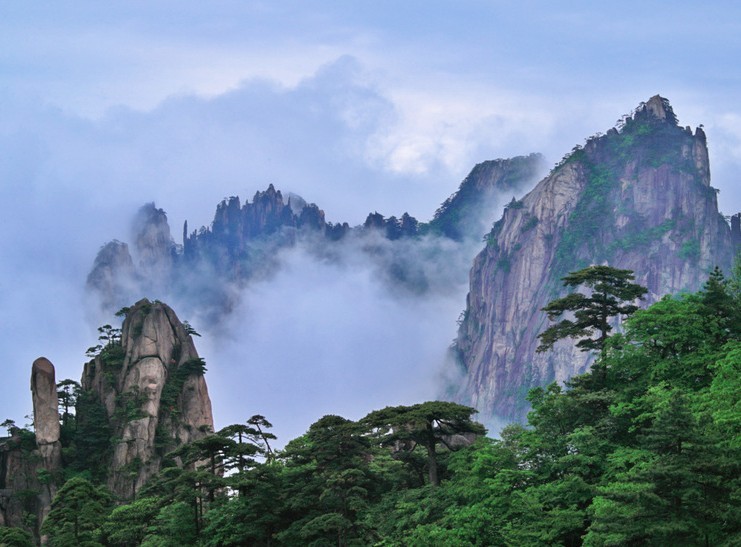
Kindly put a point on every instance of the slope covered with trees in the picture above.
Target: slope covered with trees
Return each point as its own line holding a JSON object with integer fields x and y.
{"x": 643, "y": 449}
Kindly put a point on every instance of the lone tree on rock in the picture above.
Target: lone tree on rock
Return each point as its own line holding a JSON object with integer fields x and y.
{"x": 612, "y": 294}
{"x": 427, "y": 424}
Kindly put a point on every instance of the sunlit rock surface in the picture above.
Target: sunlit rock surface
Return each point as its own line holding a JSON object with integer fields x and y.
{"x": 153, "y": 391}
{"x": 637, "y": 198}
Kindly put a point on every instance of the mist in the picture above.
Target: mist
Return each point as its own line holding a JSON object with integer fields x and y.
{"x": 326, "y": 327}
{"x": 328, "y": 337}
{"x": 73, "y": 184}
{"x": 354, "y": 108}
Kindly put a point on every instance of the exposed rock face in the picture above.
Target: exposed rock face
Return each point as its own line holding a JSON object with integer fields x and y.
{"x": 637, "y": 198}
{"x": 46, "y": 414}
{"x": 153, "y": 242}
{"x": 113, "y": 275}
{"x": 467, "y": 213}
{"x": 153, "y": 391}
{"x": 20, "y": 491}
{"x": 29, "y": 464}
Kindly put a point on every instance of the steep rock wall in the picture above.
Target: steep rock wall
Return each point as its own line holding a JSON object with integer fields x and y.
{"x": 30, "y": 463}
{"x": 637, "y": 198}
{"x": 152, "y": 387}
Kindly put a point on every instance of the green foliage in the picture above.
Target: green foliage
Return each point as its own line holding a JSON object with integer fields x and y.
{"x": 642, "y": 450}
{"x": 611, "y": 292}
{"x": 690, "y": 250}
{"x": 129, "y": 406}
{"x": 428, "y": 425}
{"x": 529, "y": 224}
{"x": 173, "y": 526}
{"x": 189, "y": 329}
{"x": 27, "y": 439}
{"x": 130, "y": 524}
{"x": 644, "y": 142}
{"x": 15, "y": 537}
{"x": 77, "y": 514}
{"x": 9, "y": 425}
{"x": 588, "y": 217}
{"x": 515, "y": 204}
{"x": 92, "y": 438}
{"x": 169, "y": 399}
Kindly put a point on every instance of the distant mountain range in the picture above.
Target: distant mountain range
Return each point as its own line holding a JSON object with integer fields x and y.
{"x": 243, "y": 242}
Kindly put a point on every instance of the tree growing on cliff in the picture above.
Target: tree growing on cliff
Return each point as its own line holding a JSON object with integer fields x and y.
{"x": 612, "y": 294}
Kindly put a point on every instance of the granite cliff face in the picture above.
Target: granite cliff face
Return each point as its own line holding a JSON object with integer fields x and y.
{"x": 142, "y": 396}
{"x": 46, "y": 412}
{"x": 30, "y": 464}
{"x": 151, "y": 384}
{"x": 467, "y": 213}
{"x": 639, "y": 198}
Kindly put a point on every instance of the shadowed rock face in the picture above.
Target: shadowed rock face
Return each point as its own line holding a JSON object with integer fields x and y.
{"x": 20, "y": 465}
{"x": 45, "y": 402}
{"x": 637, "y": 198}
{"x": 153, "y": 391}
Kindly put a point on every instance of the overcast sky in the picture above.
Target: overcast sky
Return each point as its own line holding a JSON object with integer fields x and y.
{"x": 357, "y": 106}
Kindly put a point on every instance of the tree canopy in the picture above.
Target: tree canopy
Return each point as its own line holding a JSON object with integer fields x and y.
{"x": 612, "y": 294}
{"x": 643, "y": 450}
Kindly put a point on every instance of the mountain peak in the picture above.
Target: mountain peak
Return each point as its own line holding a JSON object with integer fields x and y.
{"x": 657, "y": 107}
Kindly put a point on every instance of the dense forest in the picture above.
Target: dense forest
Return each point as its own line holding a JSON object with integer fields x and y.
{"x": 643, "y": 449}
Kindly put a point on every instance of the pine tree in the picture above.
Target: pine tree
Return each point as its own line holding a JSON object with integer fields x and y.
{"x": 611, "y": 294}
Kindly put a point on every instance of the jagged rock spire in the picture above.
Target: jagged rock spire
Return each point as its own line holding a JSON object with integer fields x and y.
{"x": 46, "y": 411}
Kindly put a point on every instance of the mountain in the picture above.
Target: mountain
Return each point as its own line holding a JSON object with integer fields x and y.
{"x": 469, "y": 208}
{"x": 638, "y": 198}
{"x": 142, "y": 395}
{"x": 30, "y": 463}
{"x": 244, "y": 241}
{"x": 149, "y": 383}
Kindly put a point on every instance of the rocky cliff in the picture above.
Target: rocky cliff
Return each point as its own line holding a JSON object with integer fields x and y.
{"x": 150, "y": 383}
{"x": 142, "y": 396}
{"x": 467, "y": 213}
{"x": 30, "y": 463}
{"x": 639, "y": 198}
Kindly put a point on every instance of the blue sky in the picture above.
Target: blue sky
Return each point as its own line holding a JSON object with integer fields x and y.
{"x": 357, "y": 106}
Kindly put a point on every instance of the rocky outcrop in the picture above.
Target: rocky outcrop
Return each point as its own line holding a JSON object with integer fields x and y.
{"x": 150, "y": 381}
{"x": 30, "y": 463}
{"x": 21, "y": 494}
{"x": 637, "y": 198}
{"x": 153, "y": 243}
{"x": 46, "y": 412}
{"x": 46, "y": 427}
{"x": 468, "y": 212}
{"x": 113, "y": 275}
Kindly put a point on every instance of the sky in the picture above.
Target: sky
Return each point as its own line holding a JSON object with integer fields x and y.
{"x": 358, "y": 107}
